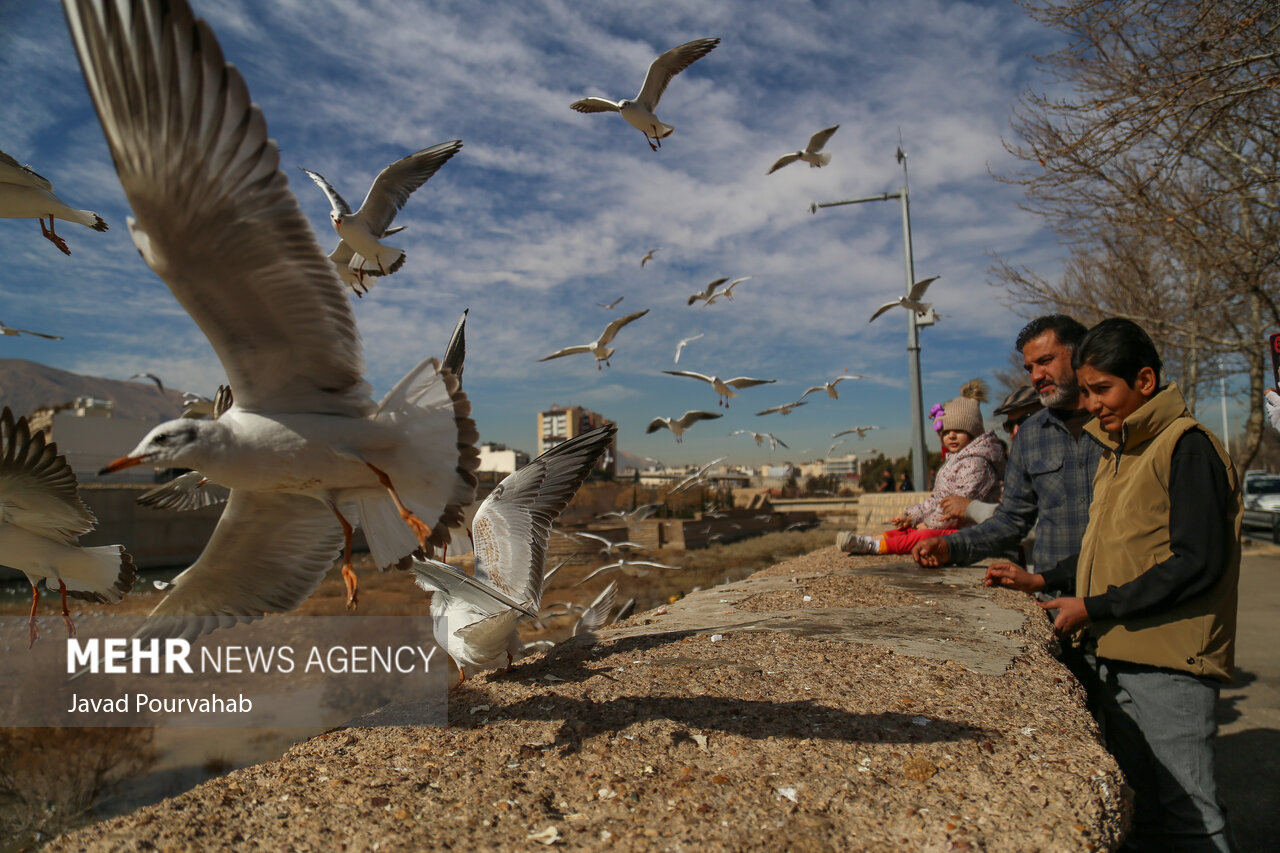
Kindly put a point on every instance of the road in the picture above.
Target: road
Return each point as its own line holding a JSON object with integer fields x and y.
{"x": 1249, "y": 710}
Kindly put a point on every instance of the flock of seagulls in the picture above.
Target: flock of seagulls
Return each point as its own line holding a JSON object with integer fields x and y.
{"x": 295, "y": 445}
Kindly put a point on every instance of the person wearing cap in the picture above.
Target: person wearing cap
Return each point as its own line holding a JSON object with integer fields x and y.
{"x": 1016, "y": 408}
{"x": 973, "y": 468}
{"x": 1048, "y": 483}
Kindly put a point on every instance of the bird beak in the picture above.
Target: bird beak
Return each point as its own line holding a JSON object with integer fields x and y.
{"x": 120, "y": 464}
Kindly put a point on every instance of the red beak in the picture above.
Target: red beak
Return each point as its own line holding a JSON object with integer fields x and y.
{"x": 120, "y": 464}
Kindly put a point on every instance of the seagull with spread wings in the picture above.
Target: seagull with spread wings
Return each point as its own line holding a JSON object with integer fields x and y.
{"x": 725, "y": 388}
{"x": 631, "y": 568}
{"x": 648, "y": 256}
{"x": 24, "y": 194}
{"x": 474, "y": 618}
{"x": 706, "y": 292}
{"x": 680, "y": 424}
{"x": 774, "y": 441}
{"x": 600, "y": 346}
{"x": 785, "y": 408}
{"x": 811, "y": 153}
{"x": 611, "y": 305}
{"x": 727, "y": 293}
{"x": 913, "y": 301}
{"x": 860, "y": 430}
{"x": 360, "y": 248}
{"x": 684, "y": 342}
{"x": 41, "y": 517}
{"x": 830, "y": 387}
{"x": 304, "y": 447}
{"x": 640, "y": 112}
{"x": 13, "y": 332}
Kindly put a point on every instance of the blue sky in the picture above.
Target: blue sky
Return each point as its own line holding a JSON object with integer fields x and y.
{"x": 546, "y": 212}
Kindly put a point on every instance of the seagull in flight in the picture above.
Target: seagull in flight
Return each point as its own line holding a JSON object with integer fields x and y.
{"x": 913, "y": 301}
{"x": 611, "y": 305}
{"x": 785, "y": 408}
{"x": 151, "y": 376}
{"x": 684, "y": 343}
{"x": 648, "y": 256}
{"x": 41, "y": 518}
{"x": 600, "y": 346}
{"x": 680, "y": 424}
{"x": 640, "y": 112}
{"x": 830, "y": 387}
{"x": 706, "y": 292}
{"x": 860, "y": 430}
{"x": 631, "y": 568}
{"x": 474, "y": 618}
{"x": 640, "y": 513}
{"x": 725, "y": 388}
{"x": 362, "y": 231}
{"x": 727, "y": 293}
{"x": 811, "y": 153}
{"x": 13, "y": 332}
{"x": 699, "y": 476}
{"x": 774, "y": 441}
{"x": 303, "y": 447}
{"x": 24, "y": 194}
{"x": 608, "y": 546}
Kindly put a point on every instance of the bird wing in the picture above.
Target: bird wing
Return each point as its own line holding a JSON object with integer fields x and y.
{"x": 336, "y": 201}
{"x": 883, "y": 308}
{"x": 651, "y": 564}
{"x": 819, "y": 139}
{"x": 573, "y": 350}
{"x": 37, "y": 487}
{"x": 748, "y": 382}
{"x": 13, "y": 172}
{"x": 597, "y": 613}
{"x": 456, "y": 584}
{"x": 342, "y": 254}
{"x": 692, "y": 417}
{"x": 394, "y": 184}
{"x": 843, "y": 432}
{"x": 37, "y": 334}
{"x": 607, "y": 567}
{"x": 691, "y": 375}
{"x": 656, "y": 424}
{"x": 811, "y": 390}
{"x": 151, "y": 376}
{"x": 669, "y": 65}
{"x": 918, "y": 289}
{"x": 267, "y": 554}
{"x": 773, "y": 437}
{"x": 612, "y": 329}
{"x": 784, "y": 160}
{"x": 215, "y": 217}
{"x": 594, "y": 105}
{"x": 511, "y": 528}
{"x": 185, "y": 492}
{"x": 456, "y": 350}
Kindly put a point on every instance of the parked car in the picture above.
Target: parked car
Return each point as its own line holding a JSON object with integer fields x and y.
{"x": 1262, "y": 503}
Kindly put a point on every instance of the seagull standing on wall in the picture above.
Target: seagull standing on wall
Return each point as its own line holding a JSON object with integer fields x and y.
{"x": 24, "y": 194}
{"x": 640, "y": 112}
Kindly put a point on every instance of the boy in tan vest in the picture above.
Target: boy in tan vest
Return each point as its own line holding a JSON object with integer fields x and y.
{"x": 1155, "y": 583}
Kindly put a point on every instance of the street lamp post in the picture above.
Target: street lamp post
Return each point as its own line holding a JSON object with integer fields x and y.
{"x": 919, "y": 459}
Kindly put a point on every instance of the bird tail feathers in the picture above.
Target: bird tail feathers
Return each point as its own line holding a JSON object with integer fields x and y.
{"x": 103, "y": 573}
{"x": 819, "y": 160}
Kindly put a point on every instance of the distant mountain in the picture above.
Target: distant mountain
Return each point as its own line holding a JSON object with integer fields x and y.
{"x": 27, "y": 385}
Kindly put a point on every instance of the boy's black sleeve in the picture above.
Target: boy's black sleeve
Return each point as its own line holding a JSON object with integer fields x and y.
{"x": 1198, "y": 539}
{"x": 1063, "y": 575}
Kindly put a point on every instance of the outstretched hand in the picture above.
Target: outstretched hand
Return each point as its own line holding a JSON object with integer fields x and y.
{"x": 901, "y": 522}
{"x": 1071, "y": 614}
{"x": 1014, "y": 577}
{"x": 931, "y": 552}
{"x": 953, "y": 507}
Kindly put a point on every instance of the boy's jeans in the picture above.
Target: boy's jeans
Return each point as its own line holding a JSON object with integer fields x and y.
{"x": 1159, "y": 725}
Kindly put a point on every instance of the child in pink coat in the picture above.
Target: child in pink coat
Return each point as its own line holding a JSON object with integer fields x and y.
{"x": 973, "y": 469}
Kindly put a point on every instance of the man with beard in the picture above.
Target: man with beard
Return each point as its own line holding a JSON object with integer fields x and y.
{"x": 1051, "y": 466}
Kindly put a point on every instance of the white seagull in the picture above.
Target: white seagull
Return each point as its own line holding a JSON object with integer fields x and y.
{"x": 24, "y": 194}
{"x": 41, "y": 515}
{"x": 640, "y": 112}
{"x": 706, "y": 292}
{"x": 912, "y": 301}
{"x": 774, "y": 441}
{"x": 303, "y": 446}
{"x": 811, "y": 153}
{"x": 684, "y": 343}
{"x": 860, "y": 430}
{"x": 13, "y": 332}
{"x": 596, "y": 615}
{"x": 785, "y": 408}
{"x": 725, "y": 388}
{"x": 640, "y": 513}
{"x": 680, "y": 424}
{"x": 474, "y": 619}
{"x": 600, "y": 346}
{"x": 727, "y": 293}
{"x": 830, "y": 387}
{"x": 608, "y": 545}
{"x": 648, "y": 256}
{"x": 699, "y": 476}
{"x": 611, "y": 305}
{"x": 361, "y": 231}
{"x": 631, "y": 568}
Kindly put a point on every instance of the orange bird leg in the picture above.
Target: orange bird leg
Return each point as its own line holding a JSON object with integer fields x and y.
{"x": 32, "y": 633}
{"x": 66, "y": 614}
{"x": 348, "y": 574}
{"x": 52, "y": 237}
{"x": 417, "y": 525}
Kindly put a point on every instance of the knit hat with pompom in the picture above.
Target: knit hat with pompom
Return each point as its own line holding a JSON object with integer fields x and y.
{"x": 964, "y": 412}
